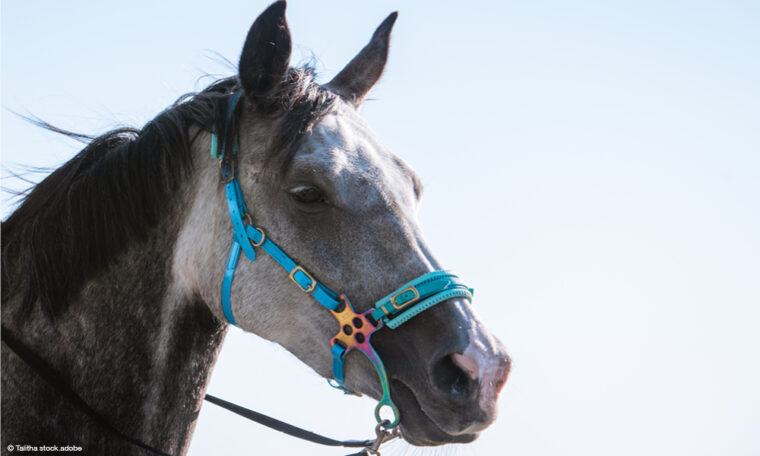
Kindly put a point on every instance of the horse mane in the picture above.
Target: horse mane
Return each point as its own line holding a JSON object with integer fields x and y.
{"x": 114, "y": 192}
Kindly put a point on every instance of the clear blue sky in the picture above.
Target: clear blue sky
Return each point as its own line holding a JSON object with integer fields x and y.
{"x": 603, "y": 159}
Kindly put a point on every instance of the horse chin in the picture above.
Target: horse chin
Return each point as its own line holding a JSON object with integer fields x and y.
{"x": 417, "y": 427}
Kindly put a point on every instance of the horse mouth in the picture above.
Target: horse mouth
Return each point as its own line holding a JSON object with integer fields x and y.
{"x": 417, "y": 427}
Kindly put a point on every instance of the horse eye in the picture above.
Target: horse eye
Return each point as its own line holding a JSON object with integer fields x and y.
{"x": 307, "y": 195}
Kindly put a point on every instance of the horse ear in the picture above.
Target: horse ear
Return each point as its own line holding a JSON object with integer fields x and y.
{"x": 266, "y": 53}
{"x": 362, "y": 73}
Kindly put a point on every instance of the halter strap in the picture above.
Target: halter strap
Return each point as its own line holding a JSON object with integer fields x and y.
{"x": 393, "y": 310}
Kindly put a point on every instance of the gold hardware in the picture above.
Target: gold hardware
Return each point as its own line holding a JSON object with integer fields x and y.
{"x": 397, "y": 306}
{"x": 232, "y": 170}
{"x": 263, "y": 238}
{"x": 383, "y": 436}
{"x": 293, "y": 278}
{"x": 263, "y": 235}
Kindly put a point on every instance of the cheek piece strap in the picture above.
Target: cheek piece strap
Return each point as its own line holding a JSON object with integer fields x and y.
{"x": 356, "y": 329}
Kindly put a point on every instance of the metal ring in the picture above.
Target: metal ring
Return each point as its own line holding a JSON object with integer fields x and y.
{"x": 263, "y": 235}
{"x": 387, "y": 402}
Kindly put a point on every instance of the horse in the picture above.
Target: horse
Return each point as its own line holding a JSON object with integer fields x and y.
{"x": 112, "y": 265}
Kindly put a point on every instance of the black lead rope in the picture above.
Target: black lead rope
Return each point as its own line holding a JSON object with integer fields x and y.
{"x": 50, "y": 375}
{"x": 54, "y": 379}
{"x": 286, "y": 428}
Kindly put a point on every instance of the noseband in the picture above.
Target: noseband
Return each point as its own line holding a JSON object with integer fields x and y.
{"x": 356, "y": 329}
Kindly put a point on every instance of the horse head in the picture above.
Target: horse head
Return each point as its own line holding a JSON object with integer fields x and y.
{"x": 319, "y": 183}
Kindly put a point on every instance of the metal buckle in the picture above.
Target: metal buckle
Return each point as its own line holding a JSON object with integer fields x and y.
{"x": 225, "y": 160}
{"x": 392, "y": 299}
{"x": 293, "y": 278}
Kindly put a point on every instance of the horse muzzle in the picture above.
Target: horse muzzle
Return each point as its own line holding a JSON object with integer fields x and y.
{"x": 453, "y": 395}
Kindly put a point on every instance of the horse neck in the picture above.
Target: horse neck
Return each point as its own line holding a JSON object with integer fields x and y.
{"x": 132, "y": 345}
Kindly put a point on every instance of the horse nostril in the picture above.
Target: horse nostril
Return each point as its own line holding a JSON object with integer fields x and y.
{"x": 451, "y": 379}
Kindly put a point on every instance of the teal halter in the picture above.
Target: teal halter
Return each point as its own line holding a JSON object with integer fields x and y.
{"x": 355, "y": 328}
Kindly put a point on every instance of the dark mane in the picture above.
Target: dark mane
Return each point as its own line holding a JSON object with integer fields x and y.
{"x": 113, "y": 192}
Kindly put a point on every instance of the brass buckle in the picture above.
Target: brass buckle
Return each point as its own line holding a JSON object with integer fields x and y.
{"x": 393, "y": 298}
{"x": 232, "y": 170}
{"x": 293, "y": 278}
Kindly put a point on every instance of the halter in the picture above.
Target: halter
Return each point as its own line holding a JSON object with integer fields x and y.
{"x": 355, "y": 328}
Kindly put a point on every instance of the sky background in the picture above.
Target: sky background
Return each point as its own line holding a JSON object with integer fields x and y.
{"x": 591, "y": 168}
